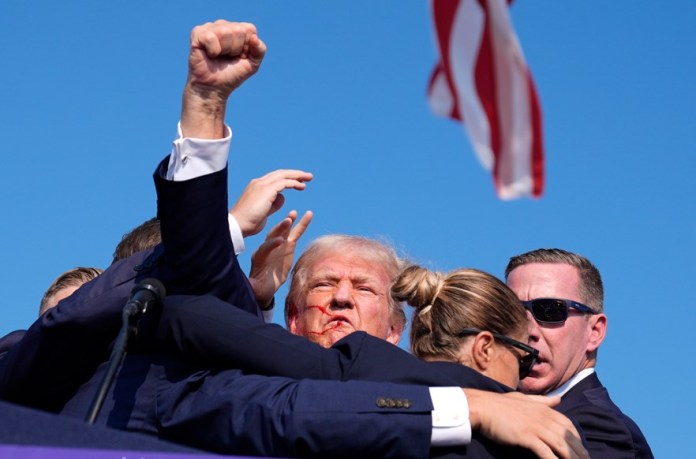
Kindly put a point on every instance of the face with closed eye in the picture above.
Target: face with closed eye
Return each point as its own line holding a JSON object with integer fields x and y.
{"x": 345, "y": 293}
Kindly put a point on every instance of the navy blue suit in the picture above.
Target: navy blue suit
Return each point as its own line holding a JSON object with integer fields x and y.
{"x": 9, "y": 340}
{"x": 223, "y": 410}
{"x": 53, "y": 366}
{"x": 207, "y": 330}
{"x": 608, "y": 431}
{"x": 62, "y": 348}
{"x": 227, "y": 411}
{"x": 212, "y": 333}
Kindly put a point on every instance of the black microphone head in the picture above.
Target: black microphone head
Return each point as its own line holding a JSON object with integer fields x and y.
{"x": 152, "y": 285}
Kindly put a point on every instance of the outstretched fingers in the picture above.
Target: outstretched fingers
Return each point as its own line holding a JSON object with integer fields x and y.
{"x": 301, "y": 226}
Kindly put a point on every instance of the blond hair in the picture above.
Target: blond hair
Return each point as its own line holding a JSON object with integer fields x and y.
{"x": 72, "y": 278}
{"x": 446, "y": 304}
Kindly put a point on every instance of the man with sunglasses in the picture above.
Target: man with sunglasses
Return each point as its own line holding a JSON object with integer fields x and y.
{"x": 563, "y": 294}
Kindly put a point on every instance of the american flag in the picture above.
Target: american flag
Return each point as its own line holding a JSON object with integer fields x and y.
{"x": 483, "y": 81}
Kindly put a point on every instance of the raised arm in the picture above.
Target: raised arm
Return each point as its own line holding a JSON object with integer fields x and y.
{"x": 41, "y": 370}
{"x": 223, "y": 55}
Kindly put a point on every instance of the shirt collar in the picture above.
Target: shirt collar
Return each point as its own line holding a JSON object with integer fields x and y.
{"x": 565, "y": 387}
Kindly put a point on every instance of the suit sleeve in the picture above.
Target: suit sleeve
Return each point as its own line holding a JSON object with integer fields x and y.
{"x": 42, "y": 369}
{"x": 198, "y": 256}
{"x": 233, "y": 413}
{"x": 205, "y": 330}
{"x": 65, "y": 344}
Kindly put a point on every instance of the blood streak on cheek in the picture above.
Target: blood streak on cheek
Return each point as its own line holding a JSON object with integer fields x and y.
{"x": 320, "y": 308}
{"x": 325, "y": 312}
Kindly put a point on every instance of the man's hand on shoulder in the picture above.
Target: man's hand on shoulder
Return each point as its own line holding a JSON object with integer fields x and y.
{"x": 528, "y": 421}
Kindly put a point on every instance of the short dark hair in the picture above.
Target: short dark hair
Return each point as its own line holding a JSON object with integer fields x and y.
{"x": 140, "y": 238}
{"x": 591, "y": 287}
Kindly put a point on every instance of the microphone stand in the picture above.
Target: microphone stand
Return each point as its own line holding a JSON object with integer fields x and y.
{"x": 131, "y": 314}
{"x": 129, "y": 319}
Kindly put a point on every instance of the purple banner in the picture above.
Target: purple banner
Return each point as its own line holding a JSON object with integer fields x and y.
{"x": 41, "y": 452}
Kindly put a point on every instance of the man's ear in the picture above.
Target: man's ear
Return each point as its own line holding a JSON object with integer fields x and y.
{"x": 482, "y": 350}
{"x": 598, "y": 330}
{"x": 394, "y": 335}
{"x": 292, "y": 319}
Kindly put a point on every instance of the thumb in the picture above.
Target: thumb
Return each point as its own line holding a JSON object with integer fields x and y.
{"x": 545, "y": 400}
{"x": 277, "y": 204}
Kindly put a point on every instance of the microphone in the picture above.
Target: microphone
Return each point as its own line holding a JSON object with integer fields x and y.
{"x": 146, "y": 293}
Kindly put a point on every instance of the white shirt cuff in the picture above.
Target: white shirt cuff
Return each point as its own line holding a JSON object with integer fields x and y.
{"x": 236, "y": 233}
{"x": 193, "y": 158}
{"x": 451, "y": 426}
{"x": 268, "y": 316}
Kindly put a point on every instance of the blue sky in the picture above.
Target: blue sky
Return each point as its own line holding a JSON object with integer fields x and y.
{"x": 91, "y": 96}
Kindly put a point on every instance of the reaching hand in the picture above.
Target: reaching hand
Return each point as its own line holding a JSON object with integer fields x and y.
{"x": 527, "y": 421}
{"x": 271, "y": 263}
{"x": 262, "y": 197}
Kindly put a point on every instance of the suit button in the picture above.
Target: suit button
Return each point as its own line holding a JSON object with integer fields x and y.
{"x": 381, "y": 402}
{"x": 407, "y": 403}
{"x": 391, "y": 403}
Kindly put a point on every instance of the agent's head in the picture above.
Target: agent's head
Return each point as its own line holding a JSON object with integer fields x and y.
{"x": 341, "y": 284}
{"x": 563, "y": 294}
{"x": 467, "y": 316}
{"x": 65, "y": 285}
{"x": 142, "y": 237}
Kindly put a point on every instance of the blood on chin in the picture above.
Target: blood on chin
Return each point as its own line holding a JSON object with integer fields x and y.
{"x": 337, "y": 327}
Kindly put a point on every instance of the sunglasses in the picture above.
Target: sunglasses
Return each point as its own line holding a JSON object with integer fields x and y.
{"x": 526, "y": 362}
{"x": 554, "y": 310}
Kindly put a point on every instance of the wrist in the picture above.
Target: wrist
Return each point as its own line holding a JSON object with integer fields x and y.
{"x": 203, "y": 113}
{"x": 267, "y": 305}
{"x": 246, "y": 232}
{"x": 474, "y": 400}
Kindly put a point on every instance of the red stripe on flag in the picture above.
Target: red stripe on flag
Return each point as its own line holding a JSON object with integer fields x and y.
{"x": 443, "y": 15}
{"x": 486, "y": 89}
{"x": 537, "y": 141}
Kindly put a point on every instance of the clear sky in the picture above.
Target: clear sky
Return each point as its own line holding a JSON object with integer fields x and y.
{"x": 90, "y": 96}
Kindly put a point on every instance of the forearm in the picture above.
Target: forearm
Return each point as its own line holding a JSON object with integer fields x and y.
{"x": 202, "y": 112}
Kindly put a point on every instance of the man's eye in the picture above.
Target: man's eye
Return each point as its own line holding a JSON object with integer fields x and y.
{"x": 320, "y": 284}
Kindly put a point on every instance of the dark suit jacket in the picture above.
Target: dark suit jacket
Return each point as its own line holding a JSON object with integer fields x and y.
{"x": 227, "y": 411}
{"x": 223, "y": 410}
{"x": 214, "y": 334}
{"x": 220, "y": 410}
{"x": 9, "y": 340}
{"x": 64, "y": 346}
{"x": 608, "y": 431}
{"x": 210, "y": 332}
